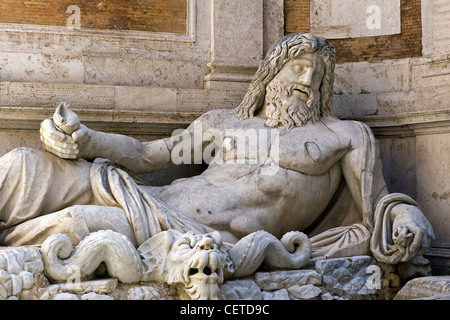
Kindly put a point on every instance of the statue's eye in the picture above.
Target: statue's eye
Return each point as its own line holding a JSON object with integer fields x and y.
{"x": 297, "y": 68}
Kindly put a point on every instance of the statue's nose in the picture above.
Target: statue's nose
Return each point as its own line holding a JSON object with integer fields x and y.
{"x": 306, "y": 77}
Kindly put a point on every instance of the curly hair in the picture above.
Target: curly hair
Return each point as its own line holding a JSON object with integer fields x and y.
{"x": 281, "y": 52}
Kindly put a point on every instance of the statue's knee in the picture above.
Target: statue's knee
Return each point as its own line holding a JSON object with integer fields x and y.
{"x": 70, "y": 221}
{"x": 21, "y": 155}
{"x": 71, "y": 218}
{"x": 73, "y": 213}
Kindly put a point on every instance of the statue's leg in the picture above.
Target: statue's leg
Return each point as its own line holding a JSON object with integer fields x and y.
{"x": 34, "y": 183}
{"x": 77, "y": 222}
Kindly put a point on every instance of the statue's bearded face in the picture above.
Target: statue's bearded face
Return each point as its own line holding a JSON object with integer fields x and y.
{"x": 293, "y": 96}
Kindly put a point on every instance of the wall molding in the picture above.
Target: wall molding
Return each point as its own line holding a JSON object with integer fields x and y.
{"x": 125, "y": 122}
{"x": 163, "y": 123}
{"x": 409, "y": 125}
{"x": 189, "y": 36}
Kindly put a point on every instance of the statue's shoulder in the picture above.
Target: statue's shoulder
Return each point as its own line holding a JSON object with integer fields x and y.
{"x": 217, "y": 117}
{"x": 218, "y": 113}
{"x": 344, "y": 125}
{"x": 358, "y": 132}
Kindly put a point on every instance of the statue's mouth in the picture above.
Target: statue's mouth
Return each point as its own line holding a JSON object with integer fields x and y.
{"x": 300, "y": 90}
{"x": 203, "y": 284}
{"x": 301, "y": 94}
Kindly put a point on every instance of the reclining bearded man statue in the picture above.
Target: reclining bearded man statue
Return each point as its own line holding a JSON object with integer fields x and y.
{"x": 328, "y": 183}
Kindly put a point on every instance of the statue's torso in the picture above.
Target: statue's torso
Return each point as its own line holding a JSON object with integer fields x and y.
{"x": 246, "y": 197}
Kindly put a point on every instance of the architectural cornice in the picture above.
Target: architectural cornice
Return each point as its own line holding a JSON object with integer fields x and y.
{"x": 163, "y": 123}
{"x": 411, "y": 124}
{"x": 126, "y": 122}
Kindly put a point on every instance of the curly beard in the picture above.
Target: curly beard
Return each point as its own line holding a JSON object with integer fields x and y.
{"x": 287, "y": 111}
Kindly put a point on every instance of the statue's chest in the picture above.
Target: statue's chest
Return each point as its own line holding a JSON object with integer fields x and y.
{"x": 311, "y": 150}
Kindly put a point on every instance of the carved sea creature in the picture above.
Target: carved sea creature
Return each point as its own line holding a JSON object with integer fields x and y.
{"x": 200, "y": 262}
{"x": 61, "y": 261}
{"x": 293, "y": 251}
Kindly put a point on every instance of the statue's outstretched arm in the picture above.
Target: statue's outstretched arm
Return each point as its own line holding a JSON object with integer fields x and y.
{"x": 61, "y": 137}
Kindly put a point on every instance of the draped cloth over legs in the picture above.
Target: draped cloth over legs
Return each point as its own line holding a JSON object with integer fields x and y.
{"x": 341, "y": 241}
{"x": 356, "y": 239}
{"x": 146, "y": 215}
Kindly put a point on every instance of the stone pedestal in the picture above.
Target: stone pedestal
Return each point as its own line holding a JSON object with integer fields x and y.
{"x": 353, "y": 278}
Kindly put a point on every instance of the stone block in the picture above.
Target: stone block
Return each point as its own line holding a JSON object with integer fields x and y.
{"x": 43, "y": 95}
{"x": 66, "y": 296}
{"x": 305, "y": 292}
{"x": 433, "y": 190}
{"x": 37, "y": 67}
{"x": 326, "y": 296}
{"x": 281, "y": 294}
{"x": 95, "y": 296}
{"x": 346, "y": 276}
{"x": 17, "y": 270}
{"x": 240, "y": 290}
{"x": 204, "y": 100}
{"x": 425, "y": 287}
{"x": 374, "y": 77}
{"x": 275, "y": 280}
{"x": 145, "y": 293}
{"x": 394, "y": 103}
{"x": 354, "y": 105}
{"x": 228, "y": 46}
{"x": 429, "y": 73}
{"x": 147, "y": 71}
{"x": 144, "y": 98}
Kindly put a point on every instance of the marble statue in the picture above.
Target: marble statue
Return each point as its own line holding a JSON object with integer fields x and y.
{"x": 327, "y": 183}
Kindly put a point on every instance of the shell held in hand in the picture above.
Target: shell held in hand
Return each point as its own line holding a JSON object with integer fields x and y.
{"x": 65, "y": 120}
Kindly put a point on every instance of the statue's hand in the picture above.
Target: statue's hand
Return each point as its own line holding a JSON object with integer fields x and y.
{"x": 64, "y": 135}
{"x": 412, "y": 233}
{"x": 61, "y": 144}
